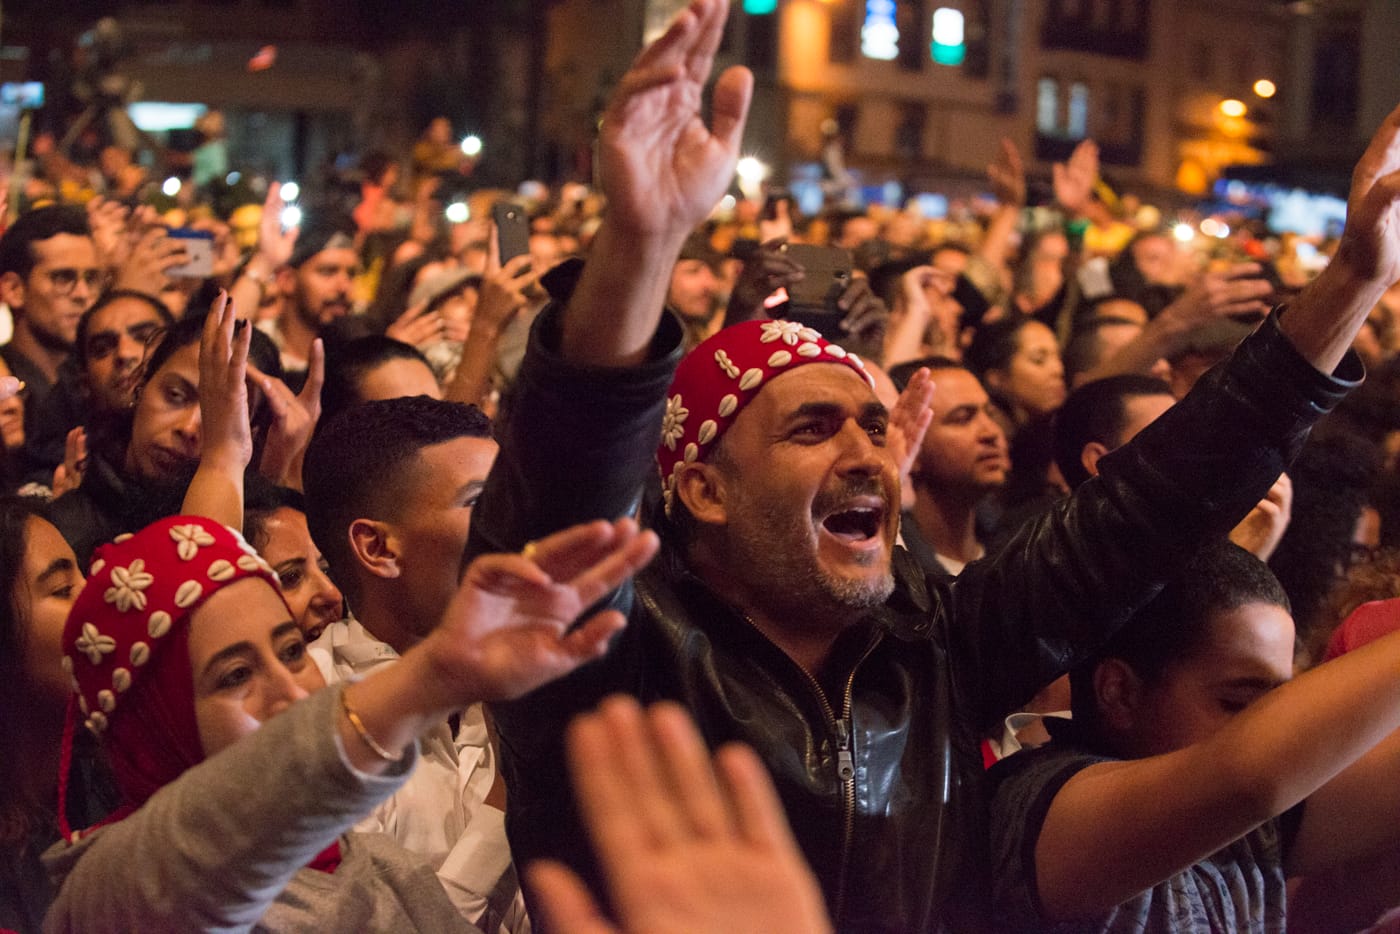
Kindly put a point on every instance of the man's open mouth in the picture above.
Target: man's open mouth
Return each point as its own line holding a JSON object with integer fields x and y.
{"x": 855, "y": 524}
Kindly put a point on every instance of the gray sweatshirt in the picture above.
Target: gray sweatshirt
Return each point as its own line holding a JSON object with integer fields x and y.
{"x": 224, "y": 847}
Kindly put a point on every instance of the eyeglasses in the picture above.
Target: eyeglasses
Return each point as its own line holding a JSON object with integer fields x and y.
{"x": 66, "y": 280}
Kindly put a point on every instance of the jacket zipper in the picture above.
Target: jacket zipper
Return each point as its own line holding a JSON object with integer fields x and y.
{"x": 844, "y": 731}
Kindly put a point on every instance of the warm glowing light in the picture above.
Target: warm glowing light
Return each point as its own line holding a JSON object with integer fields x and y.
{"x": 1232, "y": 108}
{"x": 1265, "y": 88}
{"x": 1214, "y": 228}
{"x": 471, "y": 145}
{"x": 751, "y": 172}
{"x": 1184, "y": 232}
{"x": 171, "y": 188}
{"x": 458, "y": 213}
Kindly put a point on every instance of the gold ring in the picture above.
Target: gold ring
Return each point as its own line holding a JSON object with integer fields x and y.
{"x": 528, "y": 552}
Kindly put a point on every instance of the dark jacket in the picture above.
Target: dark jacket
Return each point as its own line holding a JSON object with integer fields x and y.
{"x": 108, "y": 503}
{"x": 883, "y": 783}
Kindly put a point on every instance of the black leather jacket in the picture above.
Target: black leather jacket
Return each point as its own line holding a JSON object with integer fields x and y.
{"x": 878, "y": 764}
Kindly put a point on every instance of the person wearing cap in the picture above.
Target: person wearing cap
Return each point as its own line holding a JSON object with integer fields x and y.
{"x": 310, "y": 267}
{"x": 235, "y": 786}
{"x": 781, "y": 613}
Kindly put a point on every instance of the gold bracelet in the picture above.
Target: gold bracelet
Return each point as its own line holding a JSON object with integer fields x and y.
{"x": 359, "y": 726}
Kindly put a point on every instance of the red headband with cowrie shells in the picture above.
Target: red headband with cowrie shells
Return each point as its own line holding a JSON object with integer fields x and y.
{"x": 718, "y": 378}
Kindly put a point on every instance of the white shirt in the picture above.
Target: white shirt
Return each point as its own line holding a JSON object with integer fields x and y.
{"x": 441, "y": 812}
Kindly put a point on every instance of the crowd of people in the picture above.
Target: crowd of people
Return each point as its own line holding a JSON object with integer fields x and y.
{"x": 592, "y": 559}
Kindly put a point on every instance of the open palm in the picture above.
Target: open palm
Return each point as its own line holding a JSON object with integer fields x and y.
{"x": 662, "y": 168}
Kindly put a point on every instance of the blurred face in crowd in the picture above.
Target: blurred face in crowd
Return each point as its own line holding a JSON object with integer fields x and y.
{"x": 62, "y": 285}
{"x": 964, "y": 449}
{"x": 47, "y": 583}
{"x": 323, "y": 286}
{"x": 1034, "y": 379}
{"x": 396, "y": 378}
{"x": 114, "y": 346}
{"x": 810, "y": 494}
{"x": 1156, "y": 259}
{"x": 11, "y": 416}
{"x": 694, "y": 292}
{"x": 165, "y": 430}
{"x": 314, "y": 600}
{"x": 1247, "y": 652}
{"x": 247, "y": 659}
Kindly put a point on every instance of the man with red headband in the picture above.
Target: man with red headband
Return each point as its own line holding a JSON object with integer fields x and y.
{"x": 780, "y": 612}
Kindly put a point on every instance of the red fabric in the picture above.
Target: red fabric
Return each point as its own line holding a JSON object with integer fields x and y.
{"x": 1367, "y": 623}
{"x": 718, "y": 378}
{"x": 126, "y": 645}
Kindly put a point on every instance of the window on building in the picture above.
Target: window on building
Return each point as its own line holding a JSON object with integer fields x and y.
{"x": 1078, "y": 123}
{"x": 1047, "y": 105}
{"x": 909, "y": 136}
{"x": 760, "y": 7}
{"x": 909, "y": 17}
{"x": 949, "y": 45}
{"x": 879, "y": 34}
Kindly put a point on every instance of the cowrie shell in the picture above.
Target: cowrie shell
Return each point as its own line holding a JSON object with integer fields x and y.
{"x": 221, "y": 570}
{"x": 188, "y": 593}
{"x": 708, "y": 430}
{"x": 140, "y": 653}
{"x": 158, "y": 625}
{"x": 691, "y": 452}
{"x": 751, "y": 378}
{"x": 121, "y": 679}
{"x": 106, "y": 700}
{"x": 780, "y": 358}
{"x": 836, "y": 350}
{"x": 248, "y": 563}
{"x": 727, "y": 405}
{"x": 808, "y": 350}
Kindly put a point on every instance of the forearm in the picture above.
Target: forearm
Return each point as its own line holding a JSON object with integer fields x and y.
{"x": 216, "y": 492}
{"x": 221, "y": 842}
{"x": 395, "y": 705}
{"x": 1323, "y": 320}
{"x": 472, "y": 382}
{"x": 1160, "y": 338}
{"x": 620, "y": 297}
{"x": 996, "y": 243}
{"x": 905, "y": 338}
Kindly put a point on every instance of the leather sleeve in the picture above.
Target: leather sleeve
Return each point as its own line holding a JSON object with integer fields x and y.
{"x": 1067, "y": 581}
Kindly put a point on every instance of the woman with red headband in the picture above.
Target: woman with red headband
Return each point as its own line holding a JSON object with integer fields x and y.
{"x": 235, "y": 785}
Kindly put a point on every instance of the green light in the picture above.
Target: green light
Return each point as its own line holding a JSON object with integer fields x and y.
{"x": 760, "y": 7}
{"x": 948, "y": 54}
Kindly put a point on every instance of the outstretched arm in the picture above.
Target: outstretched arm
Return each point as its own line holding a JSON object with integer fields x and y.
{"x": 1324, "y": 319}
{"x": 662, "y": 170}
{"x": 1116, "y": 829}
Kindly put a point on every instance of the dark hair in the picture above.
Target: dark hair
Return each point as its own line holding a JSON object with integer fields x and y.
{"x": 16, "y": 246}
{"x": 995, "y": 344}
{"x": 1082, "y": 353}
{"x": 354, "y": 463}
{"x": 902, "y": 373}
{"x": 1172, "y": 627}
{"x": 261, "y": 500}
{"x": 107, "y": 298}
{"x": 349, "y": 362}
{"x": 18, "y": 813}
{"x": 1097, "y": 411}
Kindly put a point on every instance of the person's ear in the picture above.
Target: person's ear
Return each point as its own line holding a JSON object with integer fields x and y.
{"x": 702, "y": 489}
{"x": 12, "y": 290}
{"x": 1089, "y": 457}
{"x": 375, "y": 548}
{"x": 1118, "y": 691}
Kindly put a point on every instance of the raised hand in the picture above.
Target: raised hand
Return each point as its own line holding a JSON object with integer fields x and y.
{"x": 275, "y": 245}
{"x": 151, "y": 258}
{"x": 68, "y": 476}
{"x": 416, "y": 327}
{"x": 909, "y": 420}
{"x": 688, "y": 844}
{"x": 1008, "y": 175}
{"x": 294, "y": 417}
{"x": 1370, "y": 245}
{"x": 1074, "y": 180}
{"x": 770, "y": 268}
{"x": 503, "y": 291}
{"x": 508, "y": 629}
{"x": 662, "y": 168}
{"x": 1237, "y": 290}
{"x": 225, "y": 435}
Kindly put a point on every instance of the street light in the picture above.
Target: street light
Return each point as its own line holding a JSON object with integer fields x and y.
{"x": 1233, "y": 108}
{"x": 1265, "y": 88}
{"x": 751, "y": 172}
